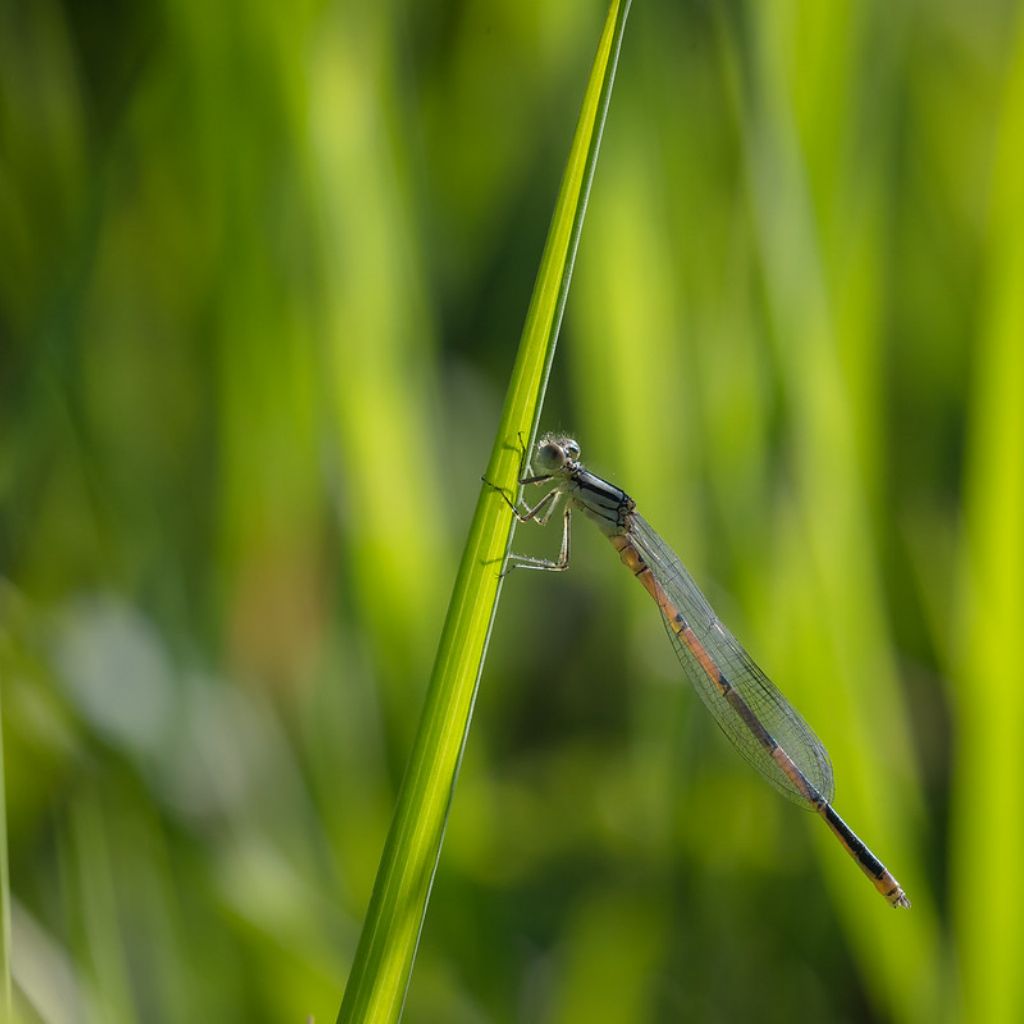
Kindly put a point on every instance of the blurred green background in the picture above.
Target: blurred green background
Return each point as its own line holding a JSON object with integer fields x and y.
{"x": 263, "y": 268}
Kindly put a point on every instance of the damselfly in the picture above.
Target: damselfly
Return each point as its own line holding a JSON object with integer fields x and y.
{"x": 761, "y": 723}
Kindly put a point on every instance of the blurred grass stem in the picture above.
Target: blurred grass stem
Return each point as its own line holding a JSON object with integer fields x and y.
{"x": 5, "y": 892}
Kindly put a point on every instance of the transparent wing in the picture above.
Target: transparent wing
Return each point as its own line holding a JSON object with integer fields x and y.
{"x": 774, "y": 712}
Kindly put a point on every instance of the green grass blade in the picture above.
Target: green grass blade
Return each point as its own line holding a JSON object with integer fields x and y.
{"x": 387, "y": 947}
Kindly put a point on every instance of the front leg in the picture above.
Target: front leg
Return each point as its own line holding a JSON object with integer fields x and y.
{"x": 544, "y": 564}
{"x": 540, "y": 513}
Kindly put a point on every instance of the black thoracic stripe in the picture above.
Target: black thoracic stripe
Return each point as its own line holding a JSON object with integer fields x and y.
{"x": 610, "y": 499}
{"x": 596, "y": 485}
{"x": 864, "y": 856}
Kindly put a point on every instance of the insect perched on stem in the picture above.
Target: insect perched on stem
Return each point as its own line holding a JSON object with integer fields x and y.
{"x": 762, "y": 724}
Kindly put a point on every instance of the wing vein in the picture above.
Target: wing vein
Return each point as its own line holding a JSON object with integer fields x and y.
{"x": 771, "y": 708}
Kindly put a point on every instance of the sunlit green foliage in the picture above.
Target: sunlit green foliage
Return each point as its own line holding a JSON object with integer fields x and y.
{"x": 264, "y": 268}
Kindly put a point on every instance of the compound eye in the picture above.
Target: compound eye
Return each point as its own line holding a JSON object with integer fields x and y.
{"x": 572, "y": 449}
{"x": 549, "y": 455}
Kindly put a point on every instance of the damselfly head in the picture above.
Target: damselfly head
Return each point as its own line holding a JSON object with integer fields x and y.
{"x": 555, "y": 452}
